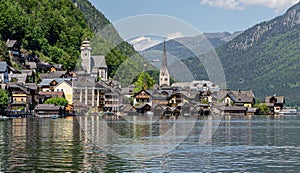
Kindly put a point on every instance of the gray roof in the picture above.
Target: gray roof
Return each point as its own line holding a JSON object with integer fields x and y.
{"x": 57, "y": 66}
{"x": 99, "y": 61}
{"x": 13, "y": 70}
{"x": 11, "y": 43}
{"x": 32, "y": 86}
{"x": 3, "y": 66}
{"x": 44, "y": 107}
{"x": 56, "y": 74}
{"x": 47, "y": 81}
{"x": 83, "y": 81}
{"x": 237, "y": 96}
{"x": 28, "y": 72}
{"x": 31, "y": 64}
{"x": 280, "y": 99}
{"x": 26, "y": 88}
{"x": 20, "y": 77}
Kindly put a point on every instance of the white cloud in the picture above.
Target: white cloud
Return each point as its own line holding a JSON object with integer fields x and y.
{"x": 278, "y": 5}
{"x": 174, "y": 35}
{"x": 141, "y": 43}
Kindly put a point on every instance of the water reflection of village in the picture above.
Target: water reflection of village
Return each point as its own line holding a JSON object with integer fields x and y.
{"x": 26, "y": 143}
{"x": 63, "y": 144}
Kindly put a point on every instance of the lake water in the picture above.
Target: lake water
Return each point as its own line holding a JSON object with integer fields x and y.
{"x": 234, "y": 144}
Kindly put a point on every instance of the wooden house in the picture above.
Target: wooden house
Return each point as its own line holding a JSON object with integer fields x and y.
{"x": 48, "y": 110}
{"x": 237, "y": 98}
{"x": 22, "y": 97}
{"x": 143, "y": 96}
{"x": 275, "y": 103}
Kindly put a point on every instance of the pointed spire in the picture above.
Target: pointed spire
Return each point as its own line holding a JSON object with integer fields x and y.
{"x": 164, "y": 56}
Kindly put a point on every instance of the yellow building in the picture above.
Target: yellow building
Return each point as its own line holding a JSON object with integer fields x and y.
{"x": 66, "y": 87}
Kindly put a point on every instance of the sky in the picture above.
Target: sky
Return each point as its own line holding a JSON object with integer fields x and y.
{"x": 204, "y": 15}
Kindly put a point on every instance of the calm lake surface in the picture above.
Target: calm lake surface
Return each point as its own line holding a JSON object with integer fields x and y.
{"x": 234, "y": 144}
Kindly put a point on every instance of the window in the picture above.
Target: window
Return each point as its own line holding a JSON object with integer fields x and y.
{"x": 61, "y": 90}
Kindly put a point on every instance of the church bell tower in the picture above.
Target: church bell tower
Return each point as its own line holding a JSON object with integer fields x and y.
{"x": 86, "y": 51}
{"x": 164, "y": 76}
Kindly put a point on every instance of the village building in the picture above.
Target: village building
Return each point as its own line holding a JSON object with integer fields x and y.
{"x": 113, "y": 96}
{"x": 48, "y": 110}
{"x": 31, "y": 65}
{"x": 93, "y": 65}
{"x": 142, "y": 97}
{"x": 56, "y": 67}
{"x": 13, "y": 47}
{"x": 65, "y": 86}
{"x": 30, "y": 75}
{"x": 49, "y": 84}
{"x": 88, "y": 94}
{"x": 20, "y": 78}
{"x": 43, "y": 96}
{"x": 23, "y": 97}
{"x": 3, "y": 72}
{"x": 237, "y": 98}
{"x": 275, "y": 103}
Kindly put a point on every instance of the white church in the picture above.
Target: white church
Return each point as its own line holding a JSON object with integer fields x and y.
{"x": 93, "y": 65}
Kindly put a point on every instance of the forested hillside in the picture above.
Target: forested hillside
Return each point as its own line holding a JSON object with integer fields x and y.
{"x": 53, "y": 30}
{"x": 266, "y": 57}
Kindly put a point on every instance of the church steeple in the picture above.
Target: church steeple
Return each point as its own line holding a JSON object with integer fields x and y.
{"x": 164, "y": 76}
{"x": 86, "y": 56}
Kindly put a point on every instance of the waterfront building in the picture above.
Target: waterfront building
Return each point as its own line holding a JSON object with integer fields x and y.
{"x": 48, "y": 110}
{"x": 237, "y": 98}
{"x": 88, "y": 93}
{"x": 275, "y": 103}
{"x": 23, "y": 97}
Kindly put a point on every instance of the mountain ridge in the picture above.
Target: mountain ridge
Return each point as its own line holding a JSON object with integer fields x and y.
{"x": 266, "y": 57}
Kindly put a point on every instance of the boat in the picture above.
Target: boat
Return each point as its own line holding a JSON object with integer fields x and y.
{"x": 54, "y": 116}
{"x": 2, "y": 118}
{"x": 288, "y": 112}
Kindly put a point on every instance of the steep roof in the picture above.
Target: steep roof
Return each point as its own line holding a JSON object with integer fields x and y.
{"x": 237, "y": 96}
{"x": 280, "y": 99}
{"x": 56, "y": 94}
{"x": 11, "y": 43}
{"x": 31, "y": 65}
{"x": 21, "y": 86}
{"x": 3, "y": 66}
{"x": 28, "y": 72}
{"x": 98, "y": 61}
{"x": 56, "y": 74}
{"x": 20, "y": 77}
{"x": 43, "y": 107}
{"x": 47, "y": 81}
